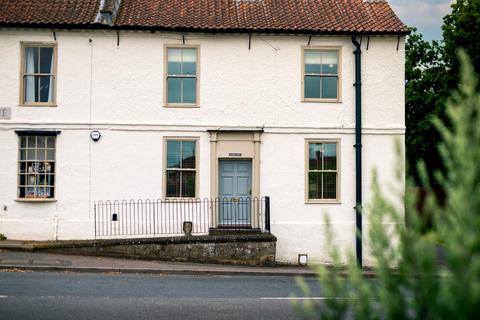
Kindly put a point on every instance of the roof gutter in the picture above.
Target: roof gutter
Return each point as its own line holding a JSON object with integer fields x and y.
{"x": 358, "y": 147}
{"x": 116, "y": 27}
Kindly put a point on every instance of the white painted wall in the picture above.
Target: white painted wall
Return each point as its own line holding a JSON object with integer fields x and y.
{"x": 119, "y": 91}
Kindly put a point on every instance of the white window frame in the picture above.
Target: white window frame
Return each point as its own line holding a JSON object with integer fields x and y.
{"x": 338, "y": 171}
{"x": 166, "y": 104}
{"x": 31, "y": 173}
{"x": 23, "y": 46}
{"x": 165, "y": 165}
{"x": 337, "y": 49}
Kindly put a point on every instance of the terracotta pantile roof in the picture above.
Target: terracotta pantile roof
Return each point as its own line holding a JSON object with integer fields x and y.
{"x": 290, "y": 16}
{"x": 48, "y": 12}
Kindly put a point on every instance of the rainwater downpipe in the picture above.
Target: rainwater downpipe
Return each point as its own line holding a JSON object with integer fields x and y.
{"x": 358, "y": 147}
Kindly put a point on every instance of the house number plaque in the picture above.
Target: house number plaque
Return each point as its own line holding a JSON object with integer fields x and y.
{"x": 234, "y": 154}
{"x": 5, "y": 113}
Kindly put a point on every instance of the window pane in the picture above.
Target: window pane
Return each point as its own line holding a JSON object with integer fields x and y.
{"x": 173, "y": 184}
{"x": 174, "y": 61}
{"x": 314, "y": 185}
{"x": 312, "y": 87}
{"x": 23, "y": 167}
{"x": 41, "y": 142}
{"x": 329, "y": 87}
{"x": 30, "y": 154}
{"x": 21, "y": 192}
{"x": 188, "y": 154}
{"x": 329, "y": 62}
{"x": 189, "y": 90}
{"x": 312, "y": 61}
{"x": 46, "y": 59}
{"x": 50, "y": 154}
{"x": 23, "y": 142}
{"x": 41, "y": 154}
{"x": 330, "y": 156}
{"x": 31, "y": 142}
{"x": 22, "y": 155}
{"x": 329, "y": 185}
{"x": 49, "y": 167}
{"x": 315, "y": 156}
{"x": 31, "y": 60}
{"x": 23, "y": 179}
{"x": 50, "y": 142}
{"x": 174, "y": 90}
{"x": 189, "y": 62}
{"x": 173, "y": 154}
{"x": 30, "y": 88}
{"x": 45, "y": 88}
{"x": 51, "y": 180}
{"x": 188, "y": 184}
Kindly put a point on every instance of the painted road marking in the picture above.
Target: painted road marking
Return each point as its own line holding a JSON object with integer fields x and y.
{"x": 306, "y": 298}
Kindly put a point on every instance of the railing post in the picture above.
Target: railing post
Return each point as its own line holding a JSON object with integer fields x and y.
{"x": 267, "y": 213}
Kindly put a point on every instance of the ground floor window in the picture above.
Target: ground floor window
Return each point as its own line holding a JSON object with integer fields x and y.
{"x": 181, "y": 168}
{"x": 322, "y": 170}
{"x": 36, "y": 166}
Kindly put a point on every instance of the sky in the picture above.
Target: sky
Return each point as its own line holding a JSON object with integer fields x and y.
{"x": 426, "y": 15}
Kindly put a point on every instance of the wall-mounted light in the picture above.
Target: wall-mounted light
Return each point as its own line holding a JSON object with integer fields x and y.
{"x": 302, "y": 259}
{"x": 95, "y": 135}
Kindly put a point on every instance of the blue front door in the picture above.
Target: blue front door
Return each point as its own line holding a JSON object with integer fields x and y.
{"x": 235, "y": 192}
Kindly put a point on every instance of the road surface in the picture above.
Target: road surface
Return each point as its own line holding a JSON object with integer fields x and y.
{"x": 52, "y": 295}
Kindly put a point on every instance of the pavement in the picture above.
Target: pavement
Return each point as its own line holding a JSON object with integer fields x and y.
{"x": 36, "y": 261}
{"x": 20, "y": 255}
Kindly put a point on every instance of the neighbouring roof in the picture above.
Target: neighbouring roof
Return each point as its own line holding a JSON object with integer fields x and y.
{"x": 285, "y": 16}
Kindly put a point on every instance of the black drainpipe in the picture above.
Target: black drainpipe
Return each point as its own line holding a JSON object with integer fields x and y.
{"x": 358, "y": 146}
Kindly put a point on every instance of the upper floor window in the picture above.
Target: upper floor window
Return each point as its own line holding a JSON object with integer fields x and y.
{"x": 182, "y": 76}
{"x": 322, "y": 171}
{"x": 36, "y": 166}
{"x": 38, "y": 74}
{"x": 321, "y": 75}
{"x": 181, "y": 168}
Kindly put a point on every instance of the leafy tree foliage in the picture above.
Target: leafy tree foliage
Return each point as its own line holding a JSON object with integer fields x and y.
{"x": 420, "y": 286}
{"x": 426, "y": 90}
{"x": 461, "y": 29}
{"x": 432, "y": 73}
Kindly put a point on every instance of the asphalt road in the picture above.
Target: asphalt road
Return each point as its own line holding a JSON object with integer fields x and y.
{"x": 51, "y": 295}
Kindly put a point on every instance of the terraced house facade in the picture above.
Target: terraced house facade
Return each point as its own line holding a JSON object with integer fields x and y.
{"x": 253, "y": 115}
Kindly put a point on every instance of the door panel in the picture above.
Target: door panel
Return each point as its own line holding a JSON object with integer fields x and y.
{"x": 235, "y": 192}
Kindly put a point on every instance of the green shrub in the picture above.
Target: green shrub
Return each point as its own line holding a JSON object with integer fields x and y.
{"x": 420, "y": 286}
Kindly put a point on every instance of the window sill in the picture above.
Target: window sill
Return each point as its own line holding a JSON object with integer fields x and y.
{"x": 180, "y": 199}
{"x": 35, "y": 200}
{"x": 323, "y": 202}
{"x": 181, "y": 106}
{"x": 37, "y": 105}
{"x": 321, "y": 101}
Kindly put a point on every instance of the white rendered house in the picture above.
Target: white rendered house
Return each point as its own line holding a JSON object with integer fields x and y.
{"x": 119, "y": 100}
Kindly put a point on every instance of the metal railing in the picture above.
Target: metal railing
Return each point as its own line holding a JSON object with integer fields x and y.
{"x": 157, "y": 218}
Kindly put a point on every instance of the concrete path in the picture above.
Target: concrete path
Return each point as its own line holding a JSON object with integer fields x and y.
{"x": 17, "y": 260}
